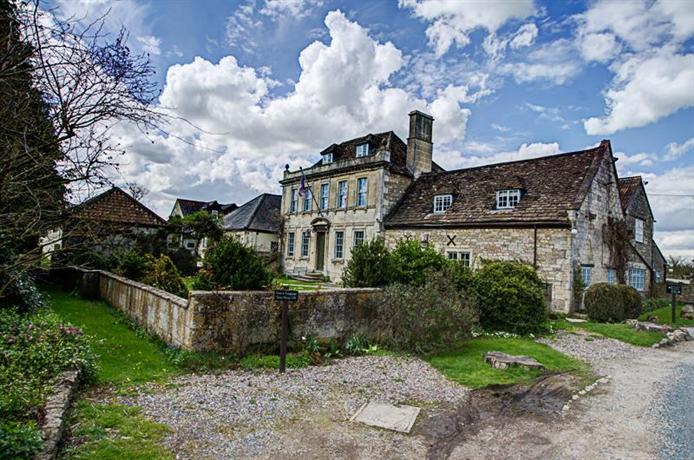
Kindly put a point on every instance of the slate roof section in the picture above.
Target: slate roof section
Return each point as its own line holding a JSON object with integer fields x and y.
{"x": 261, "y": 214}
{"x": 191, "y": 206}
{"x": 550, "y": 186}
{"x": 116, "y": 206}
{"x": 628, "y": 187}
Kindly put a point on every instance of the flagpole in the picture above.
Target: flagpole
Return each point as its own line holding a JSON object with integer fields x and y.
{"x": 310, "y": 190}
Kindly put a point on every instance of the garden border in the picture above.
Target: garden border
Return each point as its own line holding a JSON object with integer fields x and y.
{"x": 56, "y": 408}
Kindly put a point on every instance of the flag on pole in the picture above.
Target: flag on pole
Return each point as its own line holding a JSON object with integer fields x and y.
{"x": 302, "y": 186}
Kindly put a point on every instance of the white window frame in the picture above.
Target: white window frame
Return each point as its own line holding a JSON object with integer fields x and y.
{"x": 507, "y": 199}
{"x": 611, "y": 276}
{"x": 290, "y": 244}
{"x": 587, "y": 275}
{"x": 305, "y": 243}
{"x": 327, "y": 158}
{"x": 293, "y": 200}
{"x": 342, "y": 194}
{"x": 324, "y": 195}
{"x": 442, "y": 203}
{"x": 464, "y": 257}
{"x": 637, "y": 278}
{"x": 362, "y": 190}
{"x": 638, "y": 230}
{"x": 354, "y": 237}
{"x": 339, "y": 244}
{"x": 362, "y": 150}
{"x": 308, "y": 198}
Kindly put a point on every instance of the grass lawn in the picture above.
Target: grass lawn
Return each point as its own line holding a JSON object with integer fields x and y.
{"x": 665, "y": 316}
{"x": 466, "y": 365}
{"x": 297, "y": 285}
{"x": 617, "y": 331}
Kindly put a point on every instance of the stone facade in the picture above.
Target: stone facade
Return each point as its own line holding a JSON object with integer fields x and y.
{"x": 260, "y": 241}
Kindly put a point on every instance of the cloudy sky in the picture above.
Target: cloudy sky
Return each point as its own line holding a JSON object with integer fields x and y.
{"x": 257, "y": 84}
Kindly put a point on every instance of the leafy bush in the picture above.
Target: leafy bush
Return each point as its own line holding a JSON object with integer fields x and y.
{"x": 19, "y": 440}
{"x": 509, "y": 296}
{"x": 164, "y": 275}
{"x": 371, "y": 265}
{"x": 412, "y": 258}
{"x": 612, "y": 303}
{"x": 134, "y": 265}
{"x": 34, "y": 349}
{"x": 427, "y": 317}
{"x": 232, "y": 265}
{"x": 654, "y": 304}
{"x": 21, "y": 291}
{"x": 357, "y": 345}
{"x": 185, "y": 262}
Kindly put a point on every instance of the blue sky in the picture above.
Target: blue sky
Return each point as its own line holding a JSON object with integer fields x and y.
{"x": 270, "y": 82}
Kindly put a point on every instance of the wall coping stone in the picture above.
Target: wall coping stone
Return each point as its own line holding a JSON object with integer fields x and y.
{"x": 270, "y": 293}
{"x": 56, "y": 409}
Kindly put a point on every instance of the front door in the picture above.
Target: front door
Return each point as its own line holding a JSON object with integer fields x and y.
{"x": 320, "y": 251}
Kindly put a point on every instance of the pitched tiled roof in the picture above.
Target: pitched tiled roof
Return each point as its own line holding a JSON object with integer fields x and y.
{"x": 191, "y": 206}
{"x": 382, "y": 141}
{"x": 116, "y": 206}
{"x": 261, "y": 214}
{"x": 628, "y": 186}
{"x": 550, "y": 186}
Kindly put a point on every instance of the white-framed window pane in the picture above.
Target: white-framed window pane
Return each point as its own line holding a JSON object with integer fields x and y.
{"x": 506, "y": 199}
{"x": 308, "y": 198}
{"x": 637, "y": 278}
{"x": 290, "y": 244}
{"x": 361, "y": 191}
{"x": 305, "y": 242}
{"x": 452, "y": 255}
{"x": 342, "y": 194}
{"x": 294, "y": 201}
{"x": 442, "y": 203}
{"x": 339, "y": 244}
{"x": 327, "y": 158}
{"x": 638, "y": 230}
{"x": 587, "y": 275}
{"x": 324, "y": 195}
{"x": 461, "y": 256}
{"x": 362, "y": 150}
{"x": 611, "y": 276}
{"x": 358, "y": 237}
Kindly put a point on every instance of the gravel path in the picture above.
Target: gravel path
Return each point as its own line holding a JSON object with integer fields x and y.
{"x": 618, "y": 420}
{"x": 677, "y": 414}
{"x": 304, "y": 413}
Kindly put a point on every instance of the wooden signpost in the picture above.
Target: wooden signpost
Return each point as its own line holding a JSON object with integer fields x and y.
{"x": 675, "y": 290}
{"x": 285, "y": 297}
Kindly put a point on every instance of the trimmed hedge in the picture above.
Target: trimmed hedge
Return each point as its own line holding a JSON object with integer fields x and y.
{"x": 612, "y": 303}
{"x": 509, "y": 296}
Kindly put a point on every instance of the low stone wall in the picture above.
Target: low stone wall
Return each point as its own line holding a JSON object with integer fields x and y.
{"x": 687, "y": 291}
{"x": 230, "y": 321}
{"x": 56, "y": 408}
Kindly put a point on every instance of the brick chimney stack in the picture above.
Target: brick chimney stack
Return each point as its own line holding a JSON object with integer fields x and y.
{"x": 419, "y": 145}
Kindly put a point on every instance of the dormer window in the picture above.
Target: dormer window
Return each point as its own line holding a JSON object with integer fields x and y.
{"x": 442, "y": 202}
{"x": 507, "y": 199}
{"x": 327, "y": 158}
{"x": 362, "y": 150}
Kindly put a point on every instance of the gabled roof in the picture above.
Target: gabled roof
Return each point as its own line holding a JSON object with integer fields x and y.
{"x": 118, "y": 207}
{"x": 261, "y": 214}
{"x": 382, "y": 141}
{"x": 628, "y": 188}
{"x": 190, "y": 206}
{"x": 550, "y": 187}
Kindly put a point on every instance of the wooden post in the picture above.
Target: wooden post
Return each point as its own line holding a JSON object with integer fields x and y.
{"x": 674, "y": 312}
{"x": 283, "y": 338}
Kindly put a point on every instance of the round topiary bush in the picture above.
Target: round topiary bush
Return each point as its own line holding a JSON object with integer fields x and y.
{"x": 509, "y": 297}
{"x": 604, "y": 303}
{"x": 231, "y": 264}
{"x": 632, "y": 301}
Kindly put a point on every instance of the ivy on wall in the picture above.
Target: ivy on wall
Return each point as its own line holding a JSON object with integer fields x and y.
{"x": 616, "y": 236}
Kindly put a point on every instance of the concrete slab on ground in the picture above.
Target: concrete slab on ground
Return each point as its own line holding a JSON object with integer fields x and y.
{"x": 576, "y": 320}
{"x": 384, "y": 415}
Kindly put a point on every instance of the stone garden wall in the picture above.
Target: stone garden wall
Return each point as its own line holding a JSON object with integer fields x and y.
{"x": 230, "y": 321}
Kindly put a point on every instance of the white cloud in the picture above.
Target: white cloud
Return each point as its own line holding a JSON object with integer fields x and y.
{"x": 525, "y": 36}
{"x": 294, "y": 8}
{"x": 150, "y": 44}
{"x": 344, "y": 90}
{"x": 675, "y": 150}
{"x": 601, "y": 47}
{"x": 453, "y": 21}
{"x": 638, "y": 159}
{"x": 555, "y": 62}
{"x": 453, "y": 159}
{"x": 644, "y": 90}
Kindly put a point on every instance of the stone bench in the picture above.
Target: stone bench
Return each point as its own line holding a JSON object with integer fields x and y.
{"x": 499, "y": 360}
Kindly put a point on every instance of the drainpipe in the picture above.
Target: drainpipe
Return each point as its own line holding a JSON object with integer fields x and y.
{"x": 535, "y": 247}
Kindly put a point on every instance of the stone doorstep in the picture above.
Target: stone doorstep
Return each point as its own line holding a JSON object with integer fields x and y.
{"x": 499, "y": 360}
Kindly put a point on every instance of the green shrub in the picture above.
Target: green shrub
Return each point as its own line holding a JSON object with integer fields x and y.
{"x": 604, "y": 303}
{"x": 612, "y": 303}
{"x": 509, "y": 296}
{"x": 423, "y": 318}
{"x": 371, "y": 265}
{"x": 654, "y": 304}
{"x": 20, "y": 290}
{"x": 134, "y": 265}
{"x": 412, "y": 258}
{"x": 232, "y": 265}
{"x": 184, "y": 260}
{"x": 164, "y": 275}
{"x": 19, "y": 440}
{"x": 357, "y": 345}
{"x": 34, "y": 349}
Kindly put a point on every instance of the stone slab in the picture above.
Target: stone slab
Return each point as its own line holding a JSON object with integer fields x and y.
{"x": 383, "y": 415}
{"x": 501, "y": 360}
{"x": 576, "y": 320}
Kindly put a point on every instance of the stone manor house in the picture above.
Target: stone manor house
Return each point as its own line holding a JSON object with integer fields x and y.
{"x": 558, "y": 213}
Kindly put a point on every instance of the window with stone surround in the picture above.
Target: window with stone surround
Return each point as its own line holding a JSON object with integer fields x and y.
{"x": 461, "y": 256}
{"x": 327, "y": 158}
{"x": 442, "y": 203}
{"x": 305, "y": 242}
{"x": 308, "y": 198}
{"x": 290, "y": 244}
{"x": 339, "y": 244}
{"x": 358, "y": 238}
{"x": 587, "y": 275}
{"x": 507, "y": 199}
{"x": 611, "y": 276}
{"x": 362, "y": 187}
{"x": 324, "y": 195}
{"x": 638, "y": 230}
{"x": 637, "y": 278}
{"x": 342, "y": 194}
{"x": 362, "y": 150}
{"x": 294, "y": 201}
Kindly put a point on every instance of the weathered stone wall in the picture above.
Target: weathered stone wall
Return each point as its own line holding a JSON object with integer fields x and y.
{"x": 552, "y": 259}
{"x": 158, "y": 311}
{"x": 238, "y": 321}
